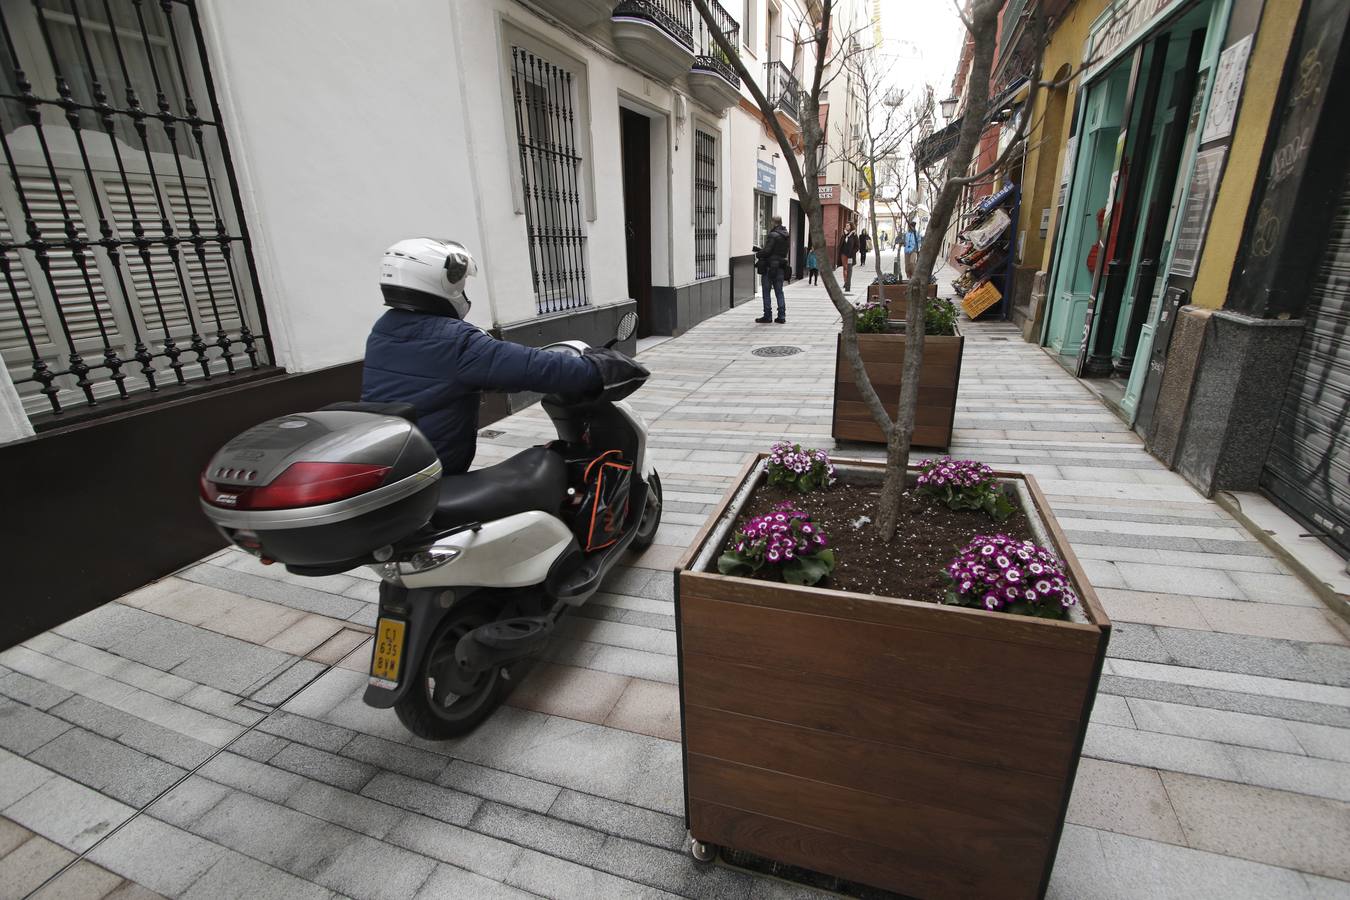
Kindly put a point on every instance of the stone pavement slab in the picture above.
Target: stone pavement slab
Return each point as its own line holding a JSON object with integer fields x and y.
{"x": 205, "y": 736}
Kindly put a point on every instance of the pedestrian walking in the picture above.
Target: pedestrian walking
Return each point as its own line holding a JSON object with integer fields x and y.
{"x": 848, "y": 253}
{"x": 912, "y": 243}
{"x": 812, "y": 268}
{"x": 771, "y": 263}
{"x": 864, "y": 244}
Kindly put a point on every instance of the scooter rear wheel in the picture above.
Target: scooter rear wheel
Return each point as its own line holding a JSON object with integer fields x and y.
{"x": 444, "y": 702}
{"x": 651, "y": 515}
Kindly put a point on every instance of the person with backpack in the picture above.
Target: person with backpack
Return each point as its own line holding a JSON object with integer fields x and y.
{"x": 912, "y": 244}
{"x": 771, "y": 263}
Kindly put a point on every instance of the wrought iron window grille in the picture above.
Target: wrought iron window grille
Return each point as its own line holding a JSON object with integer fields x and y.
{"x": 705, "y": 205}
{"x": 550, "y": 176}
{"x": 125, "y": 266}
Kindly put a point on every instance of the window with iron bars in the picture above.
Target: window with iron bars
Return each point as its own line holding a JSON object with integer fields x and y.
{"x": 550, "y": 177}
{"x": 125, "y": 269}
{"x": 705, "y": 205}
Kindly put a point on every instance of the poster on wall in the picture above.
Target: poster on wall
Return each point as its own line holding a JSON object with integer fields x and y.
{"x": 1195, "y": 215}
{"x": 1223, "y": 103}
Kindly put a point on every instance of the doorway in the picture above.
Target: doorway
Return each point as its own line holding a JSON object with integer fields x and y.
{"x": 635, "y": 138}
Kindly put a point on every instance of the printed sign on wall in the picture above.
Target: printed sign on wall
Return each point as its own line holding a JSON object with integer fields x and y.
{"x": 1223, "y": 103}
{"x": 1195, "y": 217}
{"x": 766, "y": 177}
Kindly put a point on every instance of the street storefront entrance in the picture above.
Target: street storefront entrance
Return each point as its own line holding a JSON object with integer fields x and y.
{"x": 1140, "y": 194}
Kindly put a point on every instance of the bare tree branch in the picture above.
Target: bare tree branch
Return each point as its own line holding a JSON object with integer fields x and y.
{"x": 804, "y": 183}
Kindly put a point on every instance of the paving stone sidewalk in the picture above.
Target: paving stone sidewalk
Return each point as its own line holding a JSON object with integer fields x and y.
{"x": 205, "y": 736}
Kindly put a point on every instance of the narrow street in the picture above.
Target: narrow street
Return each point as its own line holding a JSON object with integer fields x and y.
{"x": 205, "y": 736}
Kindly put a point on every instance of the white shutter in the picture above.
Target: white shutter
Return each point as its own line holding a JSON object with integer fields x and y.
{"x": 216, "y": 277}
{"x": 165, "y": 279}
{"x": 12, "y": 340}
{"x": 72, "y": 292}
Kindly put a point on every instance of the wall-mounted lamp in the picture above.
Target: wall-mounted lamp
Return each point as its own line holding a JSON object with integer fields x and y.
{"x": 949, "y": 107}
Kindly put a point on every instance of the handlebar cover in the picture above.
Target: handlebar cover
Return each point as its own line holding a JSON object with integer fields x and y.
{"x": 619, "y": 375}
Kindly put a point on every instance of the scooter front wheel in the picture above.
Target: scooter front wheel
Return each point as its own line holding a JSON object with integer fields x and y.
{"x": 445, "y": 702}
{"x": 651, "y": 515}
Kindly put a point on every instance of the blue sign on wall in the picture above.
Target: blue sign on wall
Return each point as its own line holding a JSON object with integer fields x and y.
{"x": 766, "y": 178}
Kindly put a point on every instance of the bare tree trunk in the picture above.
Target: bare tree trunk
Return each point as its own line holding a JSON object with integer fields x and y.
{"x": 983, "y": 19}
{"x": 809, "y": 197}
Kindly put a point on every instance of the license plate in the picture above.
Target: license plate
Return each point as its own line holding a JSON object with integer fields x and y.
{"x": 384, "y": 662}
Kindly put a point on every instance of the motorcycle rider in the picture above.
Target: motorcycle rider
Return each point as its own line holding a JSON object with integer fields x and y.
{"x": 423, "y": 352}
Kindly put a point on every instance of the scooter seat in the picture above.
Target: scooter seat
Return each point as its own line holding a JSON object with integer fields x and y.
{"x": 534, "y": 479}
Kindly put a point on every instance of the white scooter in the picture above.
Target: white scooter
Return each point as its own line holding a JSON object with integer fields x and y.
{"x": 475, "y": 568}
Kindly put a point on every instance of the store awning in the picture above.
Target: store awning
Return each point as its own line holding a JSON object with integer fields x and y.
{"x": 939, "y": 144}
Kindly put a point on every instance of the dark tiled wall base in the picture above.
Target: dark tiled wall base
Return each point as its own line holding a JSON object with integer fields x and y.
{"x": 677, "y": 309}
{"x": 125, "y": 487}
{"x": 744, "y": 281}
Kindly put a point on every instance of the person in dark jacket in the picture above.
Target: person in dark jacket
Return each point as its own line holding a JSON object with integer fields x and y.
{"x": 848, "y": 251}
{"x": 772, "y": 262}
{"x": 422, "y": 352}
{"x": 864, "y": 244}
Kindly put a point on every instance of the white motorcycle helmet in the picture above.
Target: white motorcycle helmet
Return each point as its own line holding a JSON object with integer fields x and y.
{"x": 427, "y": 275}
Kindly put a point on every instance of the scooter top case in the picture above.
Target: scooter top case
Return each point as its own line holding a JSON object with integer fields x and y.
{"x": 322, "y": 490}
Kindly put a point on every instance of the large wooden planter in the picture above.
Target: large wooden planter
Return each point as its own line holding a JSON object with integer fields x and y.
{"x": 897, "y": 297}
{"x": 884, "y": 357}
{"x": 919, "y": 748}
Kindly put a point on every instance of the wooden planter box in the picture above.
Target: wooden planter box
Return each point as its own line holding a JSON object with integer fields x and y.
{"x": 884, "y": 357}
{"x": 915, "y": 747}
{"x": 896, "y": 297}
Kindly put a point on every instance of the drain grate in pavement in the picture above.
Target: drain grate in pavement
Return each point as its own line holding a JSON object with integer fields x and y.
{"x": 776, "y": 351}
{"x": 998, "y": 339}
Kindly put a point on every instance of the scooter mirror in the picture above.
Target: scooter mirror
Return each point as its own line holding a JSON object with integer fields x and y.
{"x": 627, "y": 325}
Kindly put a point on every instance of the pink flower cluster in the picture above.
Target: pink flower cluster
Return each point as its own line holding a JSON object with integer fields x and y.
{"x": 792, "y": 456}
{"x": 959, "y": 473}
{"x": 998, "y": 571}
{"x": 802, "y": 468}
{"x": 780, "y": 536}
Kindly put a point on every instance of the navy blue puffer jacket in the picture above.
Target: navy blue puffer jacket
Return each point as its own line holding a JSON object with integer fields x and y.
{"x": 441, "y": 365}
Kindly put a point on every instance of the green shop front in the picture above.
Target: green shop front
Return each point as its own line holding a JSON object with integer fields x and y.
{"x": 1136, "y": 191}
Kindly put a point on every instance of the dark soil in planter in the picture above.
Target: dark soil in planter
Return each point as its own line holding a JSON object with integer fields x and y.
{"x": 911, "y": 565}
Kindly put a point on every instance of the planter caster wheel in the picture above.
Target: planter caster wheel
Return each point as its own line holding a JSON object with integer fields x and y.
{"x": 704, "y": 853}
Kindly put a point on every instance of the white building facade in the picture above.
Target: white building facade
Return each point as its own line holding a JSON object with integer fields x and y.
{"x": 196, "y": 196}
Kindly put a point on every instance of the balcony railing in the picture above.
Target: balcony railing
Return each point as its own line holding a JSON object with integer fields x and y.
{"x": 674, "y": 17}
{"x": 784, "y": 92}
{"x": 707, "y": 54}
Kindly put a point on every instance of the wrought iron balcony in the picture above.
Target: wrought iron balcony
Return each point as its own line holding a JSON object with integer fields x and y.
{"x": 656, "y": 35}
{"x": 712, "y": 78}
{"x": 784, "y": 92}
{"x": 675, "y": 17}
{"x": 707, "y": 55}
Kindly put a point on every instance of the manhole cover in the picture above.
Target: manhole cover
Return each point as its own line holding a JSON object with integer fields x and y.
{"x": 776, "y": 351}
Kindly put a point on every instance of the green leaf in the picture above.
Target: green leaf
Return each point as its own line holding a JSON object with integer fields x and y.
{"x": 732, "y": 564}
{"x": 808, "y": 570}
